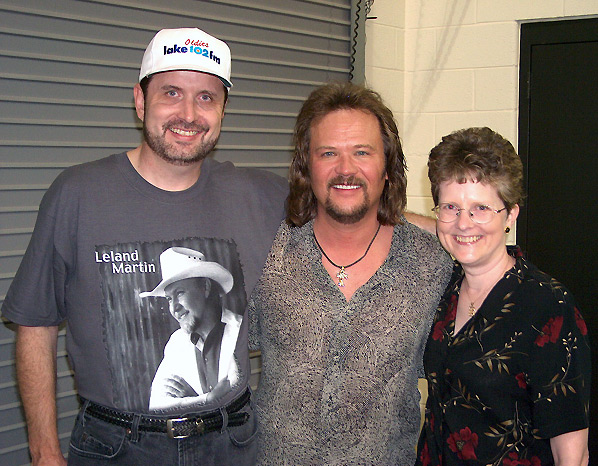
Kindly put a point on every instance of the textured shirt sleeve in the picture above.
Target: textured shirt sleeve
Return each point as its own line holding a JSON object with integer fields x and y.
{"x": 559, "y": 368}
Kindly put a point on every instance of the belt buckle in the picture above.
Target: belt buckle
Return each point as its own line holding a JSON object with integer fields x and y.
{"x": 199, "y": 426}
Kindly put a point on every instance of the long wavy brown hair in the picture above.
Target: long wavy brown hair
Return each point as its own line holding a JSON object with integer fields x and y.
{"x": 302, "y": 203}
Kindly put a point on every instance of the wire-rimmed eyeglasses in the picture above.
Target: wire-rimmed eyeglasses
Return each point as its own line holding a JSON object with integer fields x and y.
{"x": 481, "y": 213}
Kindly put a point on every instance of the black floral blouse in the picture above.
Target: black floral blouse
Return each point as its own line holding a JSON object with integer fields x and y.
{"x": 515, "y": 375}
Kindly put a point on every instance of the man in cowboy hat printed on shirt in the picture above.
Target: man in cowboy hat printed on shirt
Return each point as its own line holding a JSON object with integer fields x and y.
{"x": 198, "y": 362}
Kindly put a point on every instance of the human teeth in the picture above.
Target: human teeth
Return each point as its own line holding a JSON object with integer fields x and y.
{"x": 468, "y": 239}
{"x": 182, "y": 132}
{"x": 346, "y": 186}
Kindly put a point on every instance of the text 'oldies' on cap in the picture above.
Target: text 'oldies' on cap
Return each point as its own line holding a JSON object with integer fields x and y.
{"x": 187, "y": 49}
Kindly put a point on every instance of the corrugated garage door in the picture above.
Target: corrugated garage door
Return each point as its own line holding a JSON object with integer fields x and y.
{"x": 67, "y": 68}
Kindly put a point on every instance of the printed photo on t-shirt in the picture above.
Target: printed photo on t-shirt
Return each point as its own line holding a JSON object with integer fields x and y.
{"x": 172, "y": 314}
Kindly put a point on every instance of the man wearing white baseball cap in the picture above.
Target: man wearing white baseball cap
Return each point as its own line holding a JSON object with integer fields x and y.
{"x": 103, "y": 229}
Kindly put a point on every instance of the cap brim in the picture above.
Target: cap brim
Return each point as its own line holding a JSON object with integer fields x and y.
{"x": 224, "y": 81}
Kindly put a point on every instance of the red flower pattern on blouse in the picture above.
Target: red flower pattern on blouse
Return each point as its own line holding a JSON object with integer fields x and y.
{"x": 550, "y": 331}
{"x": 463, "y": 443}
{"x": 424, "y": 456}
{"x": 438, "y": 331}
{"x": 581, "y": 324}
{"x": 521, "y": 380}
{"x": 513, "y": 460}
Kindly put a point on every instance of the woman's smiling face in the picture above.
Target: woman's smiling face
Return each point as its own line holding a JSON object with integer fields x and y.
{"x": 474, "y": 245}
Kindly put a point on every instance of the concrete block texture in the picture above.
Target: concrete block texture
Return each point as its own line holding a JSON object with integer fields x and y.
{"x": 385, "y": 47}
{"x": 421, "y": 205}
{"x": 417, "y": 135}
{"x": 478, "y": 46}
{"x": 514, "y": 10}
{"x": 389, "y": 13}
{"x": 438, "y": 13}
{"x": 417, "y": 176}
{"x": 439, "y": 91}
{"x": 496, "y": 88}
{"x": 580, "y": 7}
{"x": 390, "y": 84}
{"x": 420, "y": 49}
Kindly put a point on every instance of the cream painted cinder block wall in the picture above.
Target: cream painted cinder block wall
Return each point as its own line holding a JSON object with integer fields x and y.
{"x": 442, "y": 65}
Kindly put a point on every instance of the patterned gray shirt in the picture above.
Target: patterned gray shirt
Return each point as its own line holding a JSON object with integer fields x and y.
{"x": 339, "y": 379}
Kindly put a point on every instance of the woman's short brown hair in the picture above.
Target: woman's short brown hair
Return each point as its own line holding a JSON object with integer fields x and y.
{"x": 481, "y": 155}
{"x": 302, "y": 203}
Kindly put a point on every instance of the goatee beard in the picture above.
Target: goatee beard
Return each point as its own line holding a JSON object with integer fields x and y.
{"x": 346, "y": 218}
{"x": 170, "y": 153}
{"x": 358, "y": 213}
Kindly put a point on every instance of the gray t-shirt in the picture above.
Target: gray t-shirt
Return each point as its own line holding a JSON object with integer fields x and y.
{"x": 96, "y": 247}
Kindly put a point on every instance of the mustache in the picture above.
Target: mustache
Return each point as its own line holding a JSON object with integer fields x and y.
{"x": 346, "y": 180}
{"x": 186, "y": 126}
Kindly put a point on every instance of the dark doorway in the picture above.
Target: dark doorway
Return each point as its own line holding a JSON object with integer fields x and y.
{"x": 558, "y": 137}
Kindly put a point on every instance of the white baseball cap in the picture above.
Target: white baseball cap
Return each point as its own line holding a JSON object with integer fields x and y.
{"x": 188, "y": 49}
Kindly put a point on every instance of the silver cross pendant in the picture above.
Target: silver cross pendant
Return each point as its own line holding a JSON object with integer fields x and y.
{"x": 342, "y": 276}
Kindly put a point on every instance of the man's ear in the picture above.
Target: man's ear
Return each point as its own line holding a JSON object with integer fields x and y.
{"x": 208, "y": 286}
{"x": 224, "y": 109}
{"x": 139, "y": 101}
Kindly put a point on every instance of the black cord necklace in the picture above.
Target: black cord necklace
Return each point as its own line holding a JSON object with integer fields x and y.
{"x": 342, "y": 275}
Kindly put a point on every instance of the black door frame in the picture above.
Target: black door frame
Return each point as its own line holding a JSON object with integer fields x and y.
{"x": 540, "y": 33}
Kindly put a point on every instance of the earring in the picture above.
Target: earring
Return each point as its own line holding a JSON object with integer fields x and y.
{"x": 507, "y": 230}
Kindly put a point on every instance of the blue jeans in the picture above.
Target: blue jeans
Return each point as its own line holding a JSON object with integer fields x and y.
{"x": 95, "y": 442}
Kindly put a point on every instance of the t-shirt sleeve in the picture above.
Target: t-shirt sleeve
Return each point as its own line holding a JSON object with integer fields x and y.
{"x": 36, "y": 295}
{"x": 559, "y": 367}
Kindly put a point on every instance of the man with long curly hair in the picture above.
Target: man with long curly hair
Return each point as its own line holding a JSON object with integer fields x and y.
{"x": 347, "y": 296}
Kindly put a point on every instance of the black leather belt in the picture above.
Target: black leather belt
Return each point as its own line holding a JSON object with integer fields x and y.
{"x": 176, "y": 427}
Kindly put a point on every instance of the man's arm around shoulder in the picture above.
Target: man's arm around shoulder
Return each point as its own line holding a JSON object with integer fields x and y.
{"x": 425, "y": 223}
{"x": 36, "y": 375}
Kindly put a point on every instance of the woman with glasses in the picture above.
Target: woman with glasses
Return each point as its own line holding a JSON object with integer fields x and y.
{"x": 508, "y": 358}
